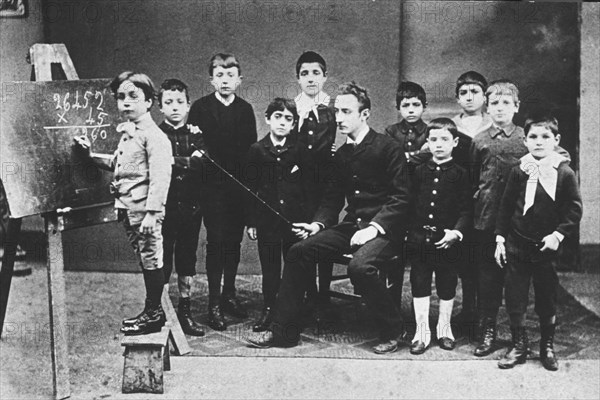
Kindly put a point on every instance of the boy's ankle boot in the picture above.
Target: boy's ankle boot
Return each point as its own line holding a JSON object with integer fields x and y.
{"x": 133, "y": 320}
{"x": 152, "y": 321}
{"x": 487, "y": 345}
{"x": 518, "y": 354}
{"x": 184, "y": 314}
{"x": 216, "y": 320}
{"x": 547, "y": 355}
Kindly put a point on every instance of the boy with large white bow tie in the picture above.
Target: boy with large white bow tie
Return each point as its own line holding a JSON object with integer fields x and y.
{"x": 142, "y": 173}
{"x": 541, "y": 206}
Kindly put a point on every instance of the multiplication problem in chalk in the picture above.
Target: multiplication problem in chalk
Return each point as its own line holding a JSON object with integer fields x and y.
{"x": 69, "y": 107}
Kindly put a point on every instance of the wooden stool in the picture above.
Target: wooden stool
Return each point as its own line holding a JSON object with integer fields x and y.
{"x": 146, "y": 357}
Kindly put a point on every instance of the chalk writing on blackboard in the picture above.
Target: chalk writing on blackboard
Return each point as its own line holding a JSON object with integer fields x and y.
{"x": 41, "y": 170}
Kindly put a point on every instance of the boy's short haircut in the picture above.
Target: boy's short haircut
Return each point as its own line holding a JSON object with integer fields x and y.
{"x": 224, "y": 60}
{"x": 471, "y": 78}
{"x": 503, "y": 87}
{"x": 443, "y": 123}
{"x": 310, "y": 57}
{"x": 357, "y": 91}
{"x": 407, "y": 90}
{"x": 172, "y": 84}
{"x": 282, "y": 104}
{"x": 140, "y": 80}
{"x": 541, "y": 117}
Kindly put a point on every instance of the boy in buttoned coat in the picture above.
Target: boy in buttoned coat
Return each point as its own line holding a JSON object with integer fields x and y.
{"x": 142, "y": 172}
{"x": 280, "y": 173}
{"x": 440, "y": 212}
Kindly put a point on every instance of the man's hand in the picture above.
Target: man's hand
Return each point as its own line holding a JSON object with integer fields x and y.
{"x": 83, "y": 143}
{"x": 551, "y": 243}
{"x": 251, "y": 232}
{"x": 448, "y": 240}
{"x": 363, "y": 236}
{"x": 149, "y": 222}
{"x": 303, "y": 230}
{"x": 198, "y": 153}
{"x": 500, "y": 254}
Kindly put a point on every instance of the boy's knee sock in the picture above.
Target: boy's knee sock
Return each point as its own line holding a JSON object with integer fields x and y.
{"x": 423, "y": 333}
{"x": 155, "y": 281}
{"x": 444, "y": 328}
{"x": 184, "y": 283}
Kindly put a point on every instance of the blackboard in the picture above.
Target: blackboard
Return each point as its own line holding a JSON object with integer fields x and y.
{"x": 41, "y": 170}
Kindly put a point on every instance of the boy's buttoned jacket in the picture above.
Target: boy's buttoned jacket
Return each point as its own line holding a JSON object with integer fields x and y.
{"x": 371, "y": 176}
{"x": 441, "y": 197}
{"x": 282, "y": 177}
{"x": 142, "y": 167}
{"x": 186, "y": 179}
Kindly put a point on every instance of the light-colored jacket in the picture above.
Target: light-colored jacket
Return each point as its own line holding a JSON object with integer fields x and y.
{"x": 142, "y": 166}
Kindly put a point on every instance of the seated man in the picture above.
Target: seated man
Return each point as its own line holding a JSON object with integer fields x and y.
{"x": 369, "y": 174}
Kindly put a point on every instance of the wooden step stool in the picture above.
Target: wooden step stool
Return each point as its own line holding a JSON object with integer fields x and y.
{"x": 146, "y": 357}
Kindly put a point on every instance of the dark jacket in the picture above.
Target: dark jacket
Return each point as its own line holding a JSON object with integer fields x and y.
{"x": 545, "y": 215}
{"x": 371, "y": 178}
{"x": 411, "y": 138}
{"x": 227, "y": 147}
{"x": 186, "y": 176}
{"x": 440, "y": 197}
{"x": 281, "y": 176}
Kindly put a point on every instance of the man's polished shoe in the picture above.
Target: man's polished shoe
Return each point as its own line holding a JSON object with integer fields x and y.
{"x": 232, "y": 306}
{"x": 488, "y": 339}
{"x": 215, "y": 318}
{"x": 417, "y": 347}
{"x": 264, "y": 321}
{"x": 518, "y": 354}
{"x": 446, "y": 343}
{"x": 150, "y": 322}
{"x": 184, "y": 315}
{"x": 386, "y": 347}
{"x": 262, "y": 340}
{"x": 390, "y": 345}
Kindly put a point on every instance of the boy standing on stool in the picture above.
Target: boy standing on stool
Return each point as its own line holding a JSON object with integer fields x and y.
{"x": 229, "y": 129}
{"x": 541, "y": 206}
{"x": 441, "y": 212}
{"x": 142, "y": 172}
{"x": 284, "y": 181}
{"x": 183, "y": 217}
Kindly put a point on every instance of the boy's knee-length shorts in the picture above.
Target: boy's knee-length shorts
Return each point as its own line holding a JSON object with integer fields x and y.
{"x": 148, "y": 247}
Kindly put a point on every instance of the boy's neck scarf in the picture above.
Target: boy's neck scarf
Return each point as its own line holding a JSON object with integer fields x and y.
{"x": 544, "y": 171}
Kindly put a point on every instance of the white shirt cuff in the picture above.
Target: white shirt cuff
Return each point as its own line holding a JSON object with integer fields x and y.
{"x": 559, "y": 236}
{"x": 378, "y": 227}
{"x": 457, "y": 232}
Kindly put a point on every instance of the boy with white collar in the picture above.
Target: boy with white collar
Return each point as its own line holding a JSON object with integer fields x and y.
{"x": 440, "y": 214}
{"x": 316, "y": 132}
{"x": 283, "y": 180}
{"x": 541, "y": 206}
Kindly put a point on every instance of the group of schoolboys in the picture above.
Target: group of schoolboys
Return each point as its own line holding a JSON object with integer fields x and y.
{"x": 421, "y": 191}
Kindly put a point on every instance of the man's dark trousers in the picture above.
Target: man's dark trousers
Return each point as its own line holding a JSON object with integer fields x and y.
{"x": 363, "y": 271}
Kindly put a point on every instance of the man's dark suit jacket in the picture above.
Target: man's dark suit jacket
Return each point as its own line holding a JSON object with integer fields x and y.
{"x": 372, "y": 178}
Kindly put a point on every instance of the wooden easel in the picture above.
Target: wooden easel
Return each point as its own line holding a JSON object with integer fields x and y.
{"x": 43, "y": 58}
